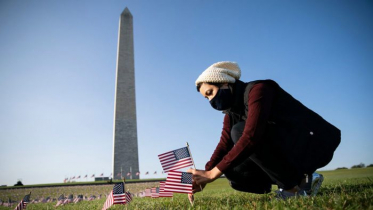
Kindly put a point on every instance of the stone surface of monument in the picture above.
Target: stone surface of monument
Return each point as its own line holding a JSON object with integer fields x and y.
{"x": 125, "y": 154}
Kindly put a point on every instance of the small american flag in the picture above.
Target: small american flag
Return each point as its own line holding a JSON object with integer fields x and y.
{"x": 102, "y": 174}
{"x": 92, "y": 176}
{"x": 60, "y": 199}
{"x": 148, "y": 193}
{"x": 179, "y": 182}
{"x": 141, "y": 194}
{"x": 163, "y": 193}
{"x": 176, "y": 159}
{"x": 155, "y": 192}
{"x": 108, "y": 202}
{"x": 138, "y": 173}
{"x": 116, "y": 196}
{"x": 128, "y": 197}
{"x": 86, "y": 176}
{"x": 78, "y": 198}
{"x": 23, "y": 203}
{"x": 69, "y": 199}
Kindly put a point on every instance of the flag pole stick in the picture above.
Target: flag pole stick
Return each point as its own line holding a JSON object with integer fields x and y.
{"x": 192, "y": 161}
{"x": 191, "y": 196}
{"x": 124, "y": 184}
{"x": 127, "y": 202}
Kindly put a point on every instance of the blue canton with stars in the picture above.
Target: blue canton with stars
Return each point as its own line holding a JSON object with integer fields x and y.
{"x": 27, "y": 198}
{"x": 118, "y": 188}
{"x": 181, "y": 153}
{"x": 186, "y": 178}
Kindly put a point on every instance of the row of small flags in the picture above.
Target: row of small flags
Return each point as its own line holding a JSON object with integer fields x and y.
{"x": 23, "y": 203}
{"x": 118, "y": 175}
{"x": 156, "y": 192}
{"x": 176, "y": 182}
{"x": 172, "y": 160}
{"x": 116, "y": 196}
{"x": 61, "y": 200}
{"x": 86, "y": 176}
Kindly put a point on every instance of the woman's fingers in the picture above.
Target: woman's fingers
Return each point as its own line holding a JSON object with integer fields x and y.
{"x": 195, "y": 173}
{"x": 199, "y": 176}
{"x": 191, "y": 170}
{"x": 196, "y": 179}
{"x": 197, "y": 187}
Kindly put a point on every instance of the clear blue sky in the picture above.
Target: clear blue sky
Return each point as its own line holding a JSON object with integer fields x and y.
{"x": 57, "y": 76}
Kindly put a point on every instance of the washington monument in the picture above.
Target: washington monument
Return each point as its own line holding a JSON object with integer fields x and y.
{"x": 125, "y": 154}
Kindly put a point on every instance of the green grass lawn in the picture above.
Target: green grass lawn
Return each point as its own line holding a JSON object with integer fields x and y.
{"x": 342, "y": 189}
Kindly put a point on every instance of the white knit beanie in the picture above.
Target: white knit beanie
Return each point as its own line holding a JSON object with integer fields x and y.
{"x": 220, "y": 72}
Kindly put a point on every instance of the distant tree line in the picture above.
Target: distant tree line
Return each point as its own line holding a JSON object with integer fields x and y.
{"x": 361, "y": 165}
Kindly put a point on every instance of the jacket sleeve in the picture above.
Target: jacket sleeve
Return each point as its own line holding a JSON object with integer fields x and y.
{"x": 259, "y": 107}
{"x": 225, "y": 144}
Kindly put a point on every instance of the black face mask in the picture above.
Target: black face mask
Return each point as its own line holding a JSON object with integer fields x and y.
{"x": 223, "y": 99}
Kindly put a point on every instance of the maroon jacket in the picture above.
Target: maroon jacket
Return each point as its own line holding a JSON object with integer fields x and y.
{"x": 306, "y": 140}
{"x": 227, "y": 155}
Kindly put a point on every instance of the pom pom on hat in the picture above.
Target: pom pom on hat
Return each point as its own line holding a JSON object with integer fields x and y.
{"x": 220, "y": 72}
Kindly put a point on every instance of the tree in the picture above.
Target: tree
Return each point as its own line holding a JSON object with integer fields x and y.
{"x": 19, "y": 183}
{"x": 361, "y": 165}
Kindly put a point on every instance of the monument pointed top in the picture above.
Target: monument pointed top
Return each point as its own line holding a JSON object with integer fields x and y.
{"x": 126, "y": 11}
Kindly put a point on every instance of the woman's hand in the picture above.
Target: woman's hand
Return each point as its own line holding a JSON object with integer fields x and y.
{"x": 201, "y": 177}
{"x": 197, "y": 188}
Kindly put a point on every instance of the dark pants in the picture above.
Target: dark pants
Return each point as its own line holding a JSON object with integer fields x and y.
{"x": 265, "y": 167}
